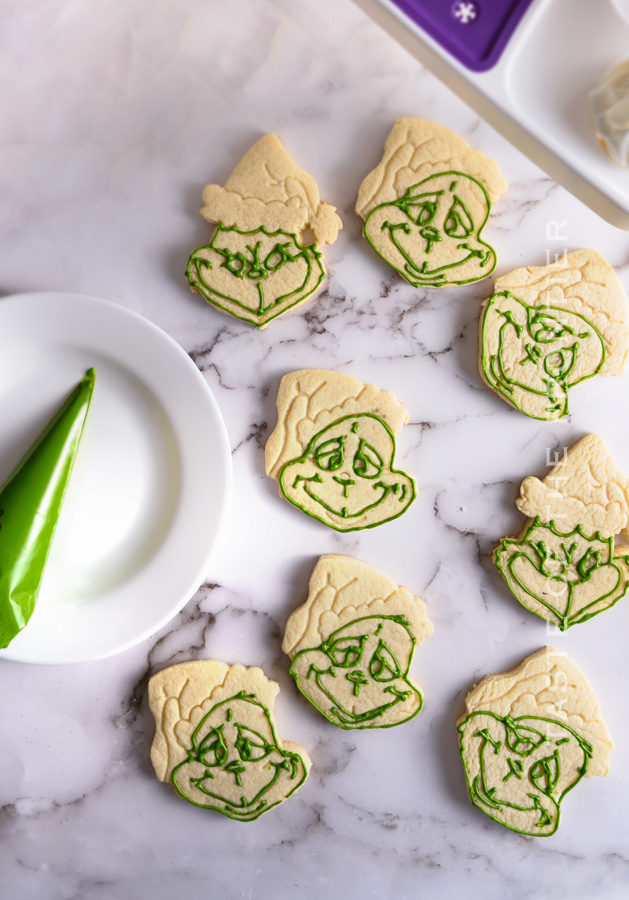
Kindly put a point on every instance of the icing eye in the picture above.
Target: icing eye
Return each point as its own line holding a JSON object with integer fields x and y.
{"x": 383, "y": 665}
{"x": 250, "y": 745}
{"x": 346, "y": 652}
{"x": 213, "y": 749}
{"x": 561, "y": 362}
{"x": 330, "y": 454}
{"x": 423, "y": 208}
{"x": 427, "y": 212}
{"x": 521, "y": 739}
{"x": 458, "y": 223}
{"x": 367, "y": 462}
{"x": 545, "y": 773}
{"x": 545, "y": 329}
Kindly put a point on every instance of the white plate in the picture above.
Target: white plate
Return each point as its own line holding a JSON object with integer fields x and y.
{"x": 149, "y": 493}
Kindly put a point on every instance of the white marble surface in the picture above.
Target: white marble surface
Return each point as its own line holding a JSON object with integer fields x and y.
{"x": 114, "y": 116}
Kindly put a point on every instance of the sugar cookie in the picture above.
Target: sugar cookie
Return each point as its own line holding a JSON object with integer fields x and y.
{"x": 352, "y": 642}
{"x": 255, "y": 266}
{"x": 528, "y": 737}
{"x": 563, "y": 566}
{"x": 547, "y": 328}
{"x": 215, "y": 739}
{"x": 425, "y": 205}
{"x": 333, "y": 450}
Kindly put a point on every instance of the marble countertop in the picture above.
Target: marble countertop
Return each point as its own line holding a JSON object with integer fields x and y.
{"x": 114, "y": 117}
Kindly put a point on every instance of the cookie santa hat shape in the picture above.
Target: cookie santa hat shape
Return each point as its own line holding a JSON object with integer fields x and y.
{"x": 528, "y": 736}
{"x": 545, "y": 329}
{"x": 564, "y": 566}
{"x": 426, "y": 203}
{"x": 216, "y": 739}
{"x": 352, "y": 642}
{"x": 255, "y": 266}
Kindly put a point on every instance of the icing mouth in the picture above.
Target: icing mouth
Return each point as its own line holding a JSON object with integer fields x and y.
{"x": 343, "y": 512}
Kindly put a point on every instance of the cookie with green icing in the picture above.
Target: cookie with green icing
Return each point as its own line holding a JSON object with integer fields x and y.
{"x": 351, "y": 645}
{"x": 528, "y": 737}
{"x": 216, "y": 739}
{"x": 565, "y": 566}
{"x": 256, "y": 265}
{"x": 426, "y": 204}
{"x": 545, "y": 329}
{"x": 333, "y": 450}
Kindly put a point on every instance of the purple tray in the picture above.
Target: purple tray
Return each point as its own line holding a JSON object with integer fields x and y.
{"x": 475, "y": 32}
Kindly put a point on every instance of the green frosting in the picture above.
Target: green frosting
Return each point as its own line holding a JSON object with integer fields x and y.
{"x": 346, "y": 476}
{"x": 518, "y": 770}
{"x": 358, "y": 676}
{"x": 255, "y": 275}
{"x": 565, "y": 578}
{"x": 236, "y": 761}
{"x": 531, "y": 355}
{"x": 30, "y": 503}
{"x": 431, "y": 236}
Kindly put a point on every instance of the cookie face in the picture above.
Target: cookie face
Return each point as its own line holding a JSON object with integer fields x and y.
{"x": 346, "y": 478}
{"x": 528, "y": 737}
{"x": 565, "y": 578}
{"x": 252, "y": 273}
{"x": 519, "y": 770}
{"x": 531, "y": 356}
{"x": 548, "y": 328}
{"x": 426, "y": 204}
{"x": 431, "y": 235}
{"x": 564, "y": 566}
{"x": 333, "y": 450}
{"x": 235, "y": 760}
{"x": 215, "y": 739}
{"x": 352, "y": 643}
{"x": 256, "y": 266}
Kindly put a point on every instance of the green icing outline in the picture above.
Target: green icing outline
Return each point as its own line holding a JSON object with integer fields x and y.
{"x": 288, "y": 755}
{"x": 566, "y": 621}
{"x": 411, "y": 270}
{"x": 487, "y": 801}
{"x": 309, "y": 450}
{"x": 499, "y": 384}
{"x": 310, "y": 254}
{"x": 400, "y": 620}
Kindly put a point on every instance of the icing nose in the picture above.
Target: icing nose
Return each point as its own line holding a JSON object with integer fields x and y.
{"x": 235, "y": 767}
{"x": 431, "y": 235}
{"x": 345, "y": 483}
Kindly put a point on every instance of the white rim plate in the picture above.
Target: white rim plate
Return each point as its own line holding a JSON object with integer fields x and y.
{"x": 146, "y": 505}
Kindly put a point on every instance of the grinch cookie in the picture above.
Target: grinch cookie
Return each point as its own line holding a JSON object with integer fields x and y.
{"x": 215, "y": 739}
{"x": 426, "y": 204}
{"x": 256, "y": 266}
{"x": 563, "y": 566}
{"x": 528, "y": 737}
{"x": 547, "y": 328}
{"x": 352, "y": 642}
{"x": 333, "y": 450}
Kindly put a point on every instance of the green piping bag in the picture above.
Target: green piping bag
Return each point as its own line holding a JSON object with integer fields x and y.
{"x": 30, "y": 503}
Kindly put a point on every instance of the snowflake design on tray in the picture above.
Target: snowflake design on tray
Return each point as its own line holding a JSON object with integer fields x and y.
{"x": 465, "y": 12}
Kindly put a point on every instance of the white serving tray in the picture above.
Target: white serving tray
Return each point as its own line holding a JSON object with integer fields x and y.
{"x": 537, "y": 93}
